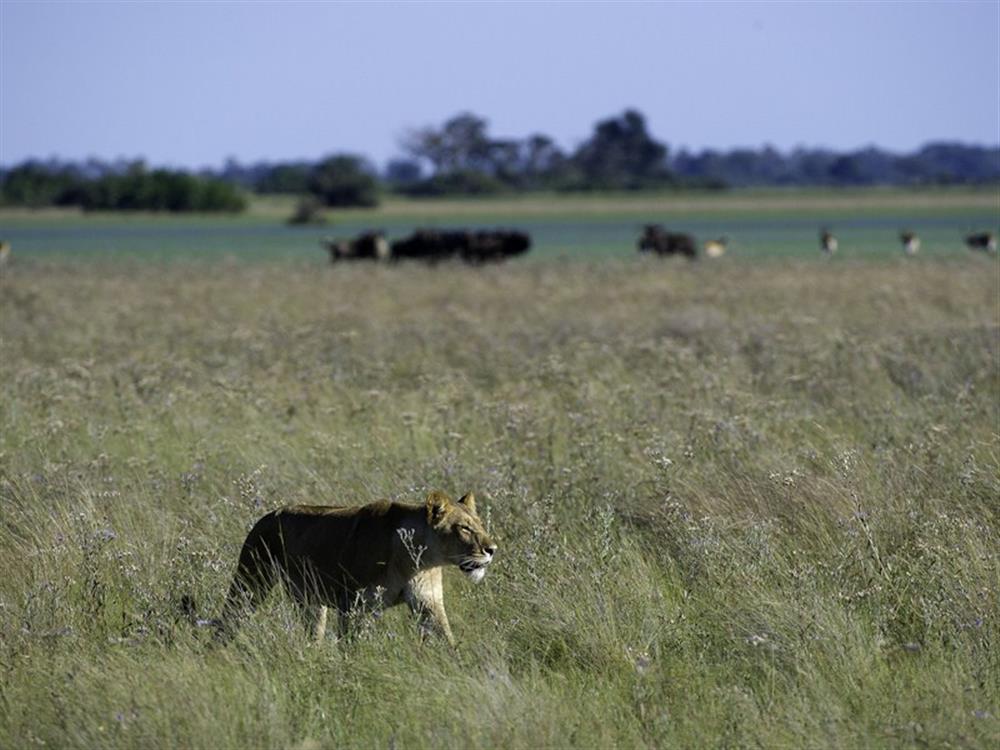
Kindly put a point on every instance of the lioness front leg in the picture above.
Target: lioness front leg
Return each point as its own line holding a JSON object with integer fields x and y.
{"x": 425, "y": 596}
{"x": 315, "y": 618}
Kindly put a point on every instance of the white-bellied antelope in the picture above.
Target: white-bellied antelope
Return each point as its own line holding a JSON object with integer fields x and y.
{"x": 827, "y": 242}
{"x": 716, "y": 248}
{"x": 910, "y": 241}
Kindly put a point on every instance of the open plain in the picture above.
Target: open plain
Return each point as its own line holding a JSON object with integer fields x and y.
{"x": 748, "y": 502}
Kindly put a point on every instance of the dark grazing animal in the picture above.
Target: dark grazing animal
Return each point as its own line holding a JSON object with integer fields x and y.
{"x": 494, "y": 246}
{"x": 656, "y": 239}
{"x": 430, "y": 245}
{"x": 985, "y": 241}
{"x": 482, "y": 246}
{"x": 369, "y": 245}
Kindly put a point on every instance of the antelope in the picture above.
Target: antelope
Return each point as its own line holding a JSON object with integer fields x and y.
{"x": 827, "y": 242}
{"x": 911, "y": 243}
{"x": 716, "y": 248}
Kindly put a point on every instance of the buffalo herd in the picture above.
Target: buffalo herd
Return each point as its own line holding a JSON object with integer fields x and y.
{"x": 433, "y": 246}
{"x": 495, "y": 245}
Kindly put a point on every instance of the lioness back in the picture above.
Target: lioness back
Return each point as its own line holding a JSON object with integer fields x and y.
{"x": 346, "y": 548}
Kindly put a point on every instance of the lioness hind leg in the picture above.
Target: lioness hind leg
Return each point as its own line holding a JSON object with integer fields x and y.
{"x": 255, "y": 576}
{"x": 424, "y": 594}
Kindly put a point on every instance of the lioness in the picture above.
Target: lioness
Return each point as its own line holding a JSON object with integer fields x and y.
{"x": 377, "y": 555}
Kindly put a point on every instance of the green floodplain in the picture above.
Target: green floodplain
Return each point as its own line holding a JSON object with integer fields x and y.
{"x": 761, "y": 223}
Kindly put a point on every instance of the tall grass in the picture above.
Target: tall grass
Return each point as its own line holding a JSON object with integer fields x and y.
{"x": 736, "y": 505}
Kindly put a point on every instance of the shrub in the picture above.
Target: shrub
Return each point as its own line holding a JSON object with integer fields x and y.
{"x": 308, "y": 210}
{"x": 344, "y": 180}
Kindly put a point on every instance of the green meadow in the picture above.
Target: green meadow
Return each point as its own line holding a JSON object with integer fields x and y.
{"x": 749, "y": 502}
{"x": 758, "y": 224}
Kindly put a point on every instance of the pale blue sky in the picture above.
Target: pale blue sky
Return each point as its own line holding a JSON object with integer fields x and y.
{"x": 190, "y": 83}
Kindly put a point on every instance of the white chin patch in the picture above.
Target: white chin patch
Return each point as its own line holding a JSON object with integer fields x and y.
{"x": 477, "y": 574}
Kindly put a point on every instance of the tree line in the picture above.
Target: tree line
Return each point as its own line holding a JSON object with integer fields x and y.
{"x": 461, "y": 157}
{"x": 116, "y": 186}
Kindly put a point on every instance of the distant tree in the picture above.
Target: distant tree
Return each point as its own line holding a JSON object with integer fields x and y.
{"x": 403, "y": 172}
{"x": 35, "y": 184}
{"x": 344, "y": 180}
{"x": 291, "y": 177}
{"x": 461, "y": 182}
{"x": 464, "y": 158}
{"x": 956, "y": 162}
{"x": 238, "y": 174}
{"x": 541, "y": 159}
{"x": 124, "y": 186}
{"x": 869, "y": 166}
{"x": 425, "y": 145}
{"x": 810, "y": 166}
{"x": 704, "y": 165}
{"x": 216, "y": 195}
{"x": 503, "y": 161}
{"x": 460, "y": 145}
{"x": 125, "y": 190}
{"x": 140, "y": 189}
{"x": 622, "y": 154}
{"x": 934, "y": 163}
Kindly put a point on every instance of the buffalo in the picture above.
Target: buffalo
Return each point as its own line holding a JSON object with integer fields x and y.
{"x": 430, "y": 245}
{"x": 483, "y": 246}
{"x": 656, "y": 239}
{"x": 370, "y": 245}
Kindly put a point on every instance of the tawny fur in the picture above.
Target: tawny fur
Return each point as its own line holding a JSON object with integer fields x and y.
{"x": 376, "y": 556}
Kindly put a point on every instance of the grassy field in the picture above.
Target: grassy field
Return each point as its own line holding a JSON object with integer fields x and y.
{"x": 759, "y": 224}
{"x": 738, "y": 504}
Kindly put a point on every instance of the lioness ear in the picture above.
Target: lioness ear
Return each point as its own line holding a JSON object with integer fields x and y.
{"x": 437, "y": 504}
{"x": 469, "y": 501}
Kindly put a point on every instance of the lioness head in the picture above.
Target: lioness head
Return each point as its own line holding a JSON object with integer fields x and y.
{"x": 462, "y": 537}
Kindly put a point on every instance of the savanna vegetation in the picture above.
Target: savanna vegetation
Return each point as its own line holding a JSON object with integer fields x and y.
{"x": 126, "y": 186}
{"x": 737, "y": 504}
{"x": 461, "y": 157}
